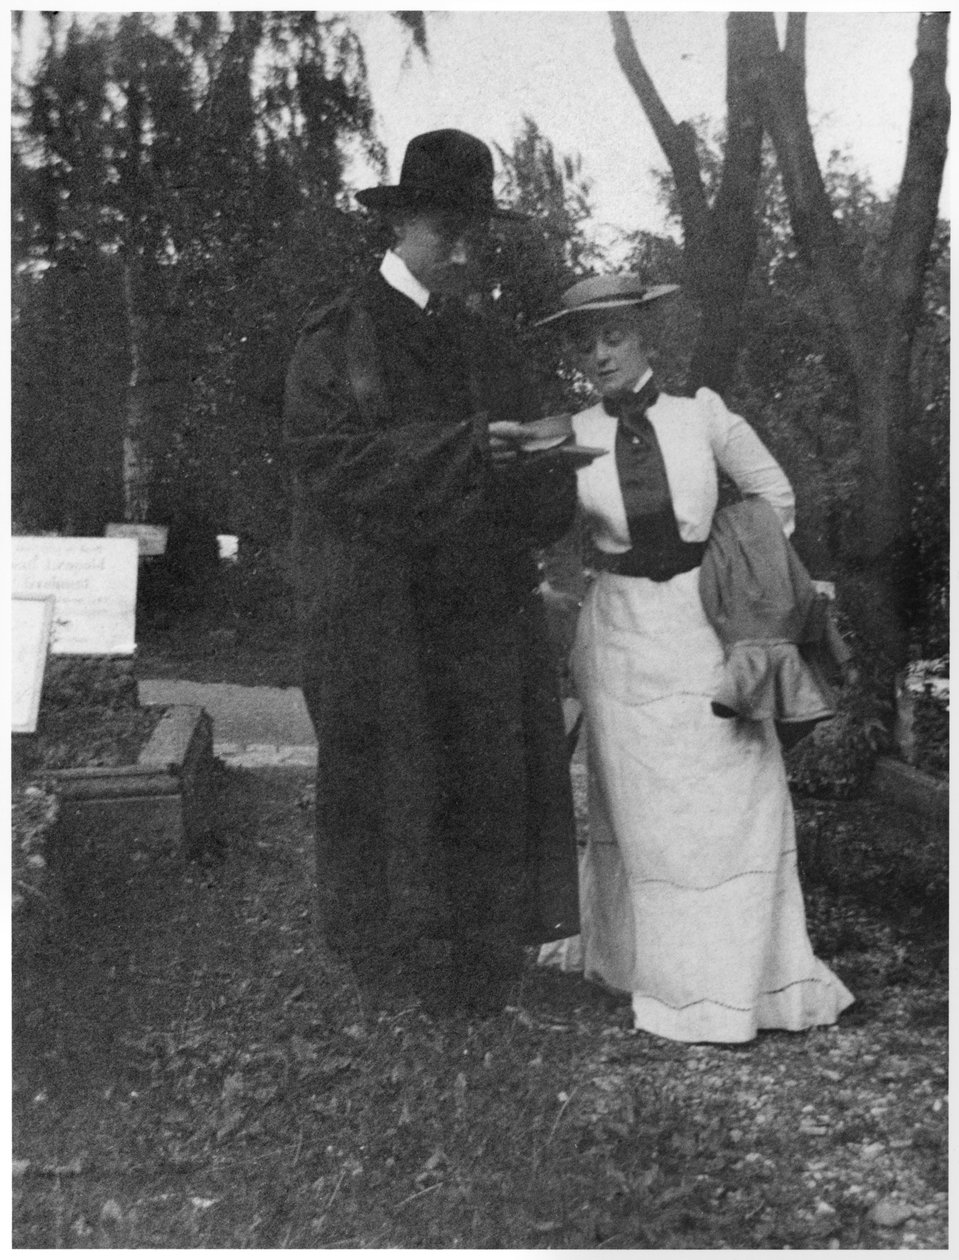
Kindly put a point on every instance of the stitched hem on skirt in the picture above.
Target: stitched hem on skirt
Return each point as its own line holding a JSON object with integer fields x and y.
{"x": 802, "y": 1004}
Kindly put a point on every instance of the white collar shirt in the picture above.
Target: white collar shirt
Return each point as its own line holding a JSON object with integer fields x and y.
{"x": 396, "y": 274}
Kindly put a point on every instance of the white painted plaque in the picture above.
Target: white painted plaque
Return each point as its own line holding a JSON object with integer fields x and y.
{"x": 93, "y": 582}
{"x": 150, "y": 538}
{"x": 30, "y": 638}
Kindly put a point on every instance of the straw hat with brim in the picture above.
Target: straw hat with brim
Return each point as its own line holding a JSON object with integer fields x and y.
{"x": 442, "y": 170}
{"x": 608, "y": 293}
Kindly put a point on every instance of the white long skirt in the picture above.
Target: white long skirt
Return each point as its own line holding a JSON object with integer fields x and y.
{"x": 690, "y": 898}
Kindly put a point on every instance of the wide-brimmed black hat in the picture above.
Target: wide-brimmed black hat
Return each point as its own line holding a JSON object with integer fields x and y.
{"x": 605, "y": 293}
{"x": 442, "y": 170}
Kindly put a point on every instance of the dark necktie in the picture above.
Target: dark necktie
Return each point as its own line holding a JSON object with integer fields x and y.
{"x": 639, "y": 463}
{"x": 445, "y": 337}
{"x": 632, "y": 405}
{"x": 438, "y": 308}
{"x": 444, "y": 315}
{"x": 657, "y": 551}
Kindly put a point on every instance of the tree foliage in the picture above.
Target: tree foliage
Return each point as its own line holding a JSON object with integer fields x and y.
{"x": 793, "y": 378}
{"x": 156, "y": 165}
{"x": 180, "y": 200}
{"x": 536, "y": 260}
{"x": 874, "y": 315}
{"x": 873, "y": 312}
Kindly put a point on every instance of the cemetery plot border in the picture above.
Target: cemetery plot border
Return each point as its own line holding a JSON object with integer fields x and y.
{"x": 162, "y": 801}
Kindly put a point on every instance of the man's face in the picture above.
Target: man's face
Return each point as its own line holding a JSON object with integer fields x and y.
{"x": 442, "y": 250}
{"x": 610, "y": 350}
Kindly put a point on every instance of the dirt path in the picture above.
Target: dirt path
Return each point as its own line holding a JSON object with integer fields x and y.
{"x": 192, "y": 1070}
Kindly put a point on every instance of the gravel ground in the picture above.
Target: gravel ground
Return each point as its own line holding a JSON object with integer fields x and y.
{"x": 841, "y": 1129}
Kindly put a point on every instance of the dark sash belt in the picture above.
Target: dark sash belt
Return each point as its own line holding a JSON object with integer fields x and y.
{"x": 658, "y": 556}
{"x": 626, "y": 564}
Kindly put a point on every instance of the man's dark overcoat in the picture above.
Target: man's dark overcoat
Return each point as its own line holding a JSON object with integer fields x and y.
{"x": 443, "y": 794}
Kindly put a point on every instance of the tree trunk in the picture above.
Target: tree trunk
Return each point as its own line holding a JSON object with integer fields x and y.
{"x": 733, "y": 226}
{"x": 719, "y": 242}
{"x": 136, "y": 470}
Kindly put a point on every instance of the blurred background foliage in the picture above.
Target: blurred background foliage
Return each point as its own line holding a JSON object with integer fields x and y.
{"x": 181, "y": 198}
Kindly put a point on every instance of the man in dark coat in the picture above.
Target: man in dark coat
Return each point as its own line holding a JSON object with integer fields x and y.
{"x": 444, "y": 809}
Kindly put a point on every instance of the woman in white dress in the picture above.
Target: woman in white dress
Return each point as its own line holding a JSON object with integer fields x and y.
{"x": 690, "y": 899}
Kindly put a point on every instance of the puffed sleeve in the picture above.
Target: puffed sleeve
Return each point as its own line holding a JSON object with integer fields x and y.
{"x": 744, "y": 458}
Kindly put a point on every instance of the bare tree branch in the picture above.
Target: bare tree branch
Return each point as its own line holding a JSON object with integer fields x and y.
{"x": 725, "y": 263}
{"x": 413, "y": 22}
{"x": 795, "y": 46}
{"x": 677, "y": 141}
{"x": 781, "y": 88}
{"x": 719, "y": 244}
{"x": 914, "y": 219}
{"x": 734, "y": 209}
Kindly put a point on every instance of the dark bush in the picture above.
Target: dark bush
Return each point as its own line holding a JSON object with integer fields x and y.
{"x": 836, "y": 760}
{"x": 185, "y": 580}
{"x": 80, "y": 682}
{"x": 931, "y": 731}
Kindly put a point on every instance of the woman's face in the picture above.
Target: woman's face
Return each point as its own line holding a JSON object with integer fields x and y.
{"x": 610, "y": 351}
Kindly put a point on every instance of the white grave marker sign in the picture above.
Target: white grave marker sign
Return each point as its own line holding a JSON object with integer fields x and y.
{"x": 151, "y": 538}
{"x": 30, "y": 638}
{"x": 93, "y": 582}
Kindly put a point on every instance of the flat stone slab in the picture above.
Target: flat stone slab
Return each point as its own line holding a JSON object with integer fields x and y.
{"x": 252, "y": 726}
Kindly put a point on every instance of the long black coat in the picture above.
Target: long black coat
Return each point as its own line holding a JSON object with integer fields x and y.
{"x": 443, "y": 800}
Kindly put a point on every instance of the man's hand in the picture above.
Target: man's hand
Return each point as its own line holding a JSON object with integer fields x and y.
{"x": 508, "y": 431}
{"x": 505, "y": 437}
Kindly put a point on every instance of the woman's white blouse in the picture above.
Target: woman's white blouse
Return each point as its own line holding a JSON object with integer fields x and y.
{"x": 694, "y": 434}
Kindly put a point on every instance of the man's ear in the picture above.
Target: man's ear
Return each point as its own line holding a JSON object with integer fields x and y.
{"x": 400, "y": 226}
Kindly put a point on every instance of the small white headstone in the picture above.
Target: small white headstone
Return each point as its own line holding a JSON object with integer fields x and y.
{"x": 151, "y": 539}
{"x": 93, "y": 582}
{"x": 228, "y": 546}
{"x": 30, "y": 639}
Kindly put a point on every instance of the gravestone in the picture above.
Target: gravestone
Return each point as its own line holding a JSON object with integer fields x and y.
{"x": 151, "y": 539}
{"x": 228, "y": 547}
{"x": 162, "y": 796}
{"x": 30, "y": 639}
{"x": 93, "y": 582}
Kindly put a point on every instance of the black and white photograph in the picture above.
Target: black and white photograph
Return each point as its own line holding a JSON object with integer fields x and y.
{"x": 479, "y": 496}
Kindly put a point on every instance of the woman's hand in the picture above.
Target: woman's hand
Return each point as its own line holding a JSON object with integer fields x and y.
{"x": 826, "y": 589}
